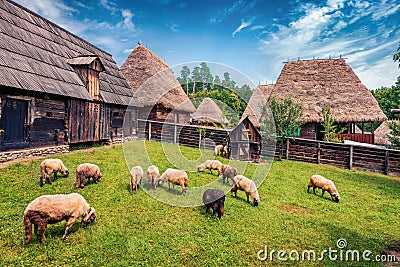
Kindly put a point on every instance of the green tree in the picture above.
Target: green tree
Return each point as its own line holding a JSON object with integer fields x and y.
{"x": 394, "y": 134}
{"x": 396, "y": 57}
{"x": 388, "y": 98}
{"x": 184, "y": 79}
{"x": 287, "y": 116}
{"x": 205, "y": 75}
{"x": 330, "y": 129}
{"x": 196, "y": 78}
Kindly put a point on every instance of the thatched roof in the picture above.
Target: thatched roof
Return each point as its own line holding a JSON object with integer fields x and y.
{"x": 153, "y": 81}
{"x": 382, "y": 133}
{"x": 254, "y": 109}
{"x": 34, "y": 55}
{"x": 329, "y": 82}
{"x": 209, "y": 112}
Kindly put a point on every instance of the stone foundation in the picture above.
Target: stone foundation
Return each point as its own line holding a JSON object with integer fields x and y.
{"x": 34, "y": 152}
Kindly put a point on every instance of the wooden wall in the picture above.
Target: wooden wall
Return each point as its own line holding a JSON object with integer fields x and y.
{"x": 308, "y": 131}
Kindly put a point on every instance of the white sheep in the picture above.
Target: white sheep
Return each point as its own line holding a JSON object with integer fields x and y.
{"x": 136, "y": 178}
{"x": 318, "y": 181}
{"x": 211, "y": 165}
{"x": 220, "y": 150}
{"x": 49, "y": 166}
{"x": 152, "y": 175}
{"x": 176, "y": 177}
{"x": 49, "y": 209}
{"x": 86, "y": 171}
{"x": 248, "y": 186}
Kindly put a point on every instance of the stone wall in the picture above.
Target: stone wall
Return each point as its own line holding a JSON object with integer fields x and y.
{"x": 35, "y": 152}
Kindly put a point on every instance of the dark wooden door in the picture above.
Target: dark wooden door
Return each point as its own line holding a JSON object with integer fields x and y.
{"x": 13, "y": 120}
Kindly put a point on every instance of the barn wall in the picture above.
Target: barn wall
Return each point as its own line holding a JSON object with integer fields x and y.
{"x": 307, "y": 131}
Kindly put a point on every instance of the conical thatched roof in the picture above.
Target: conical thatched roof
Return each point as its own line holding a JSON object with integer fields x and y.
{"x": 258, "y": 99}
{"x": 143, "y": 67}
{"x": 382, "y": 134}
{"x": 209, "y": 112}
{"x": 329, "y": 82}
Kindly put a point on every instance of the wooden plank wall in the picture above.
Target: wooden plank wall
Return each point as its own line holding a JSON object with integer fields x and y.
{"x": 381, "y": 160}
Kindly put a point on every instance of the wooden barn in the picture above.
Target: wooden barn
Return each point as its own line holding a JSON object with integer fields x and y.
{"x": 156, "y": 87}
{"x": 56, "y": 88}
{"x": 320, "y": 83}
{"x": 209, "y": 114}
{"x": 244, "y": 142}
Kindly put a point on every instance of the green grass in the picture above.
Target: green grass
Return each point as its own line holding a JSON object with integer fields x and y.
{"x": 134, "y": 229}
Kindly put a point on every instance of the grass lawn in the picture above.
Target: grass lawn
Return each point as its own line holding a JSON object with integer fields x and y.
{"x": 134, "y": 229}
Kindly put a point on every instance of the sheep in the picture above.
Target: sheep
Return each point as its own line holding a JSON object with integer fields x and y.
{"x": 152, "y": 176}
{"x": 211, "y": 165}
{"x": 49, "y": 166}
{"x": 325, "y": 184}
{"x": 245, "y": 184}
{"x": 176, "y": 177}
{"x": 228, "y": 172}
{"x": 49, "y": 209}
{"x": 136, "y": 178}
{"x": 87, "y": 171}
{"x": 218, "y": 150}
{"x": 214, "y": 199}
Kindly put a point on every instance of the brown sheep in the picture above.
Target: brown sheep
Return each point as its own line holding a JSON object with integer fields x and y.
{"x": 325, "y": 184}
{"x": 214, "y": 199}
{"x": 176, "y": 177}
{"x": 49, "y": 209}
{"x": 211, "y": 165}
{"x": 87, "y": 171}
{"x": 248, "y": 186}
{"x": 49, "y": 166}
{"x": 136, "y": 178}
{"x": 152, "y": 175}
{"x": 218, "y": 150}
{"x": 228, "y": 172}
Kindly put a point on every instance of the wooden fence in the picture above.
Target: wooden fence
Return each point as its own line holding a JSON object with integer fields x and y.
{"x": 381, "y": 160}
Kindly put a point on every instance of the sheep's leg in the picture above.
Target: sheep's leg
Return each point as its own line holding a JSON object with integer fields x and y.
{"x": 40, "y": 231}
{"x": 70, "y": 222}
{"x": 55, "y": 176}
{"x": 48, "y": 174}
{"x": 130, "y": 185}
{"x": 314, "y": 190}
{"x": 247, "y": 195}
{"x": 153, "y": 181}
{"x": 323, "y": 192}
{"x": 308, "y": 189}
{"x": 169, "y": 186}
{"x": 207, "y": 207}
{"x": 35, "y": 229}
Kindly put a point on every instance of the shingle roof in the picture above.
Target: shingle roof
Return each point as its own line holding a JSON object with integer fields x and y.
{"x": 34, "y": 56}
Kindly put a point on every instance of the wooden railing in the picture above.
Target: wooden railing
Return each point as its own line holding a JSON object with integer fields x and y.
{"x": 362, "y": 138}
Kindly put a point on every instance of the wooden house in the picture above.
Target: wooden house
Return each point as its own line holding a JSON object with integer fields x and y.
{"x": 316, "y": 84}
{"x": 244, "y": 142}
{"x": 209, "y": 114}
{"x": 56, "y": 88}
{"x": 156, "y": 87}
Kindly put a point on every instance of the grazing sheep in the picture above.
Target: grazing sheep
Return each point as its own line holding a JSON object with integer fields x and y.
{"x": 218, "y": 150}
{"x": 228, "y": 172}
{"x": 176, "y": 177}
{"x": 325, "y": 184}
{"x": 87, "y": 171}
{"x": 152, "y": 176}
{"x": 49, "y": 209}
{"x": 211, "y": 165}
{"x": 136, "y": 178}
{"x": 226, "y": 151}
{"x": 49, "y": 166}
{"x": 214, "y": 199}
{"x": 245, "y": 184}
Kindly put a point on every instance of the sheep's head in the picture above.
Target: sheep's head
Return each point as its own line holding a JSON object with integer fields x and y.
{"x": 335, "y": 197}
{"x": 90, "y": 216}
{"x": 256, "y": 201}
{"x": 201, "y": 168}
{"x": 65, "y": 172}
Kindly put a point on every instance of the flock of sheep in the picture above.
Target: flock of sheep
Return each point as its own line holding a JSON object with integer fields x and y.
{"x": 49, "y": 209}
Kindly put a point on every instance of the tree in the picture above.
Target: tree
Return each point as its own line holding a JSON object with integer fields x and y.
{"x": 185, "y": 72}
{"x": 196, "y": 78}
{"x": 396, "y": 57}
{"x": 205, "y": 75}
{"x": 394, "y": 135}
{"x": 330, "y": 129}
{"x": 287, "y": 116}
{"x": 388, "y": 98}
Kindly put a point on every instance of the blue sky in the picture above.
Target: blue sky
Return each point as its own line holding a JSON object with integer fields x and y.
{"x": 254, "y": 37}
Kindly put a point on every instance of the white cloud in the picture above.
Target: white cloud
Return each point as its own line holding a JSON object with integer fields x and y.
{"x": 111, "y": 6}
{"x": 243, "y": 25}
{"x": 173, "y": 27}
{"x": 128, "y": 15}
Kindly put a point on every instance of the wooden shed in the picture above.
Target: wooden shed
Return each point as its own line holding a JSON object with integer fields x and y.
{"x": 320, "y": 83}
{"x": 244, "y": 142}
{"x": 156, "y": 87}
{"x": 56, "y": 88}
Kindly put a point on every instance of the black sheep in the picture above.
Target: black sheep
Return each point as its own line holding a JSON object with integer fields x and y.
{"x": 215, "y": 199}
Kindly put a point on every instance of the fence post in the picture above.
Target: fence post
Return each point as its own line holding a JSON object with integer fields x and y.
{"x": 287, "y": 148}
{"x": 149, "y": 137}
{"x": 319, "y": 153}
{"x": 199, "y": 139}
{"x": 175, "y": 133}
{"x": 386, "y": 161}
{"x": 351, "y": 158}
